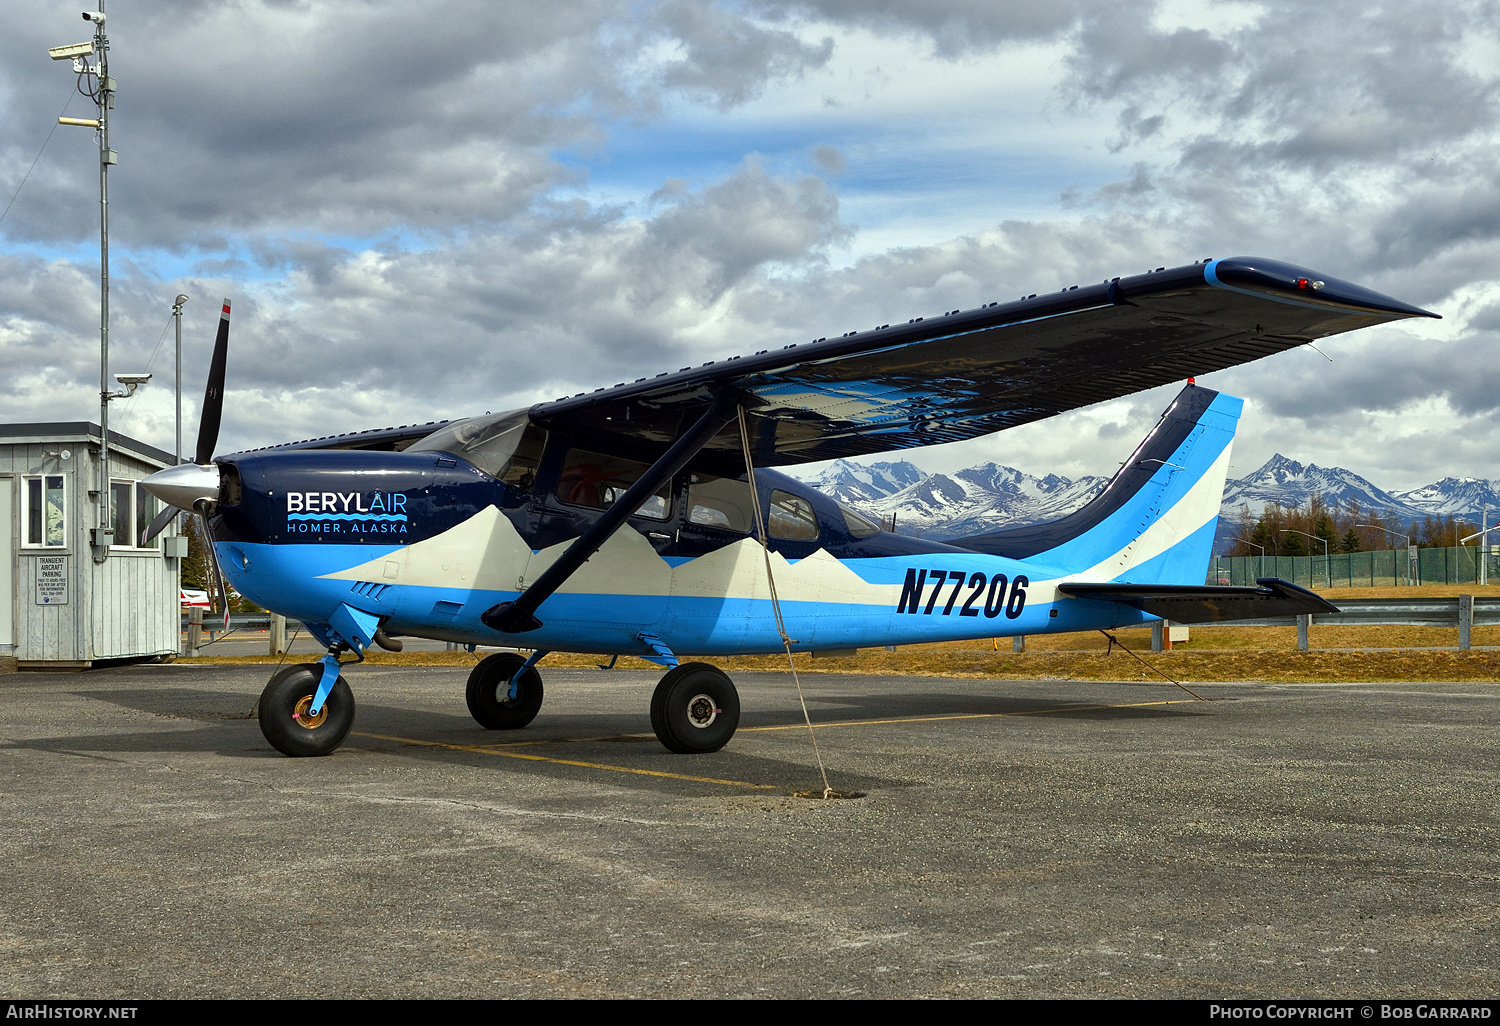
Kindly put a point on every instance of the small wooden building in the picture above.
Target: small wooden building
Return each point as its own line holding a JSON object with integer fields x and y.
{"x": 60, "y": 605}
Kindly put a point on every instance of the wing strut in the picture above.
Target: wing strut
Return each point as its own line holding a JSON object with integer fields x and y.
{"x": 519, "y": 616}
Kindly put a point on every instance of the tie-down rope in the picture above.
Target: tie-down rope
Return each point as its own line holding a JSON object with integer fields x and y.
{"x": 1113, "y": 641}
{"x": 786, "y": 640}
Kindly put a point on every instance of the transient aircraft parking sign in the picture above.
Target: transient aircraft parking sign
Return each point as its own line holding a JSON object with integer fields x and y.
{"x": 52, "y": 580}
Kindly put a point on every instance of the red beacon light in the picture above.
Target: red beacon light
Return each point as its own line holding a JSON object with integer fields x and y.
{"x": 1304, "y": 284}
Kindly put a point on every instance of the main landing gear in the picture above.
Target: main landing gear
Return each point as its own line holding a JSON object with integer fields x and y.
{"x": 694, "y": 709}
{"x": 493, "y": 703}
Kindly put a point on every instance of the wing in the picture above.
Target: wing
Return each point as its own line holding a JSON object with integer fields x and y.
{"x": 968, "y": 373}
{"x": 1188, "y": 603}
{"x": 391, "y": 439}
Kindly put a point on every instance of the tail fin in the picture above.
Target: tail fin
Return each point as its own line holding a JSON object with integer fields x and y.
{"x": 1154, "y": 522}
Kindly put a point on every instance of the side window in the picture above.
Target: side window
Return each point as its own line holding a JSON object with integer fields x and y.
{"x": 792, "y": 518}
{"x": 858, "y": 525}
{"x": 44, "y": 509}
{"x": 721, "y": 502}
{"x": 594, "y": 480}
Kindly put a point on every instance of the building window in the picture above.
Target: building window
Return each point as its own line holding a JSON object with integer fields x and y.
{"x": 146, "y": 508}
{"x": 131, "y": 508}
{"x": 44, "y": 511}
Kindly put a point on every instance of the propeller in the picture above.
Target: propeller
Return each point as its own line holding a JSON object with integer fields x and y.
{"x": 194, "y": 487}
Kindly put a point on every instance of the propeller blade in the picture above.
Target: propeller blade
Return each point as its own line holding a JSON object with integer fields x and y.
{"x": 159, "y": 524}
{"x": 213, "y": 398}
{"x": 201, "y": 508}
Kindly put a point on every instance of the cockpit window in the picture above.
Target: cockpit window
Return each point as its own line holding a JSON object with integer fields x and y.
{"x": 595, "y": 480}
{"x": 506, "y": 446}
{"x": 858, "y": 525}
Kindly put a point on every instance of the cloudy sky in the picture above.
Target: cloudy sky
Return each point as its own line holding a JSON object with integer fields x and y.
{"x": 424, "y": 210}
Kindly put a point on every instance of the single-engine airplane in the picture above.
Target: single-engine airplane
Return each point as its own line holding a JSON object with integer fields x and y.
{"x": 632, "y": 520}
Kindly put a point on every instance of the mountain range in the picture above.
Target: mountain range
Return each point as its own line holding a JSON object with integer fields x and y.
{"x": 989, "y": 496}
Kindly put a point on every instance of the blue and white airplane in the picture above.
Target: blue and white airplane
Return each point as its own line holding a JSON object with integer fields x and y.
{"x": 625, "y": 521}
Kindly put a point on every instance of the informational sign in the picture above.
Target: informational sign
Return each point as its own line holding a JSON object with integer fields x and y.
{"x": 52, "y": 580}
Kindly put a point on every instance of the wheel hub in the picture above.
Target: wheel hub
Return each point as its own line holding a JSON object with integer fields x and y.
{"x": 302, "y": 718}
{"x": 702, "y": 711}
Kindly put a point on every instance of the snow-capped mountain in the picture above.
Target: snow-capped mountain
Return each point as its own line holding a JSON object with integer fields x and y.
{"x": 969, "y": 501}
{"x": 1293, "y": 484}
{"x": 1459, "y": 496}
{"x": 991, "y": 496}
{"x": 856, "y": 483}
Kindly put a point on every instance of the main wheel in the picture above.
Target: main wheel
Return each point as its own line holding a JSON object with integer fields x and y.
{"x": 695, "y": 709}
{"x": 488, "y": 692}
{"x": 284, "y": 718}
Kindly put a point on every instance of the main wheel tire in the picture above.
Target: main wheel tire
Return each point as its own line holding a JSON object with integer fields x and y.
{"x": 488, "y": 693}
{"x": 695, "y": 709}
{"x": 283, "y": 712}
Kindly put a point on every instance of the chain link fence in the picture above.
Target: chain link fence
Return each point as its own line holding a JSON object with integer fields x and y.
{"x": 1468, "y": 564}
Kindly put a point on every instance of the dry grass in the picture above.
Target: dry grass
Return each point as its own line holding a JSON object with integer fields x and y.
{"x": 1340, "y": 654}
{"x": 1083, "y": 657}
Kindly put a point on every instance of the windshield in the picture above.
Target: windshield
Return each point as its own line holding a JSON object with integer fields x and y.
{"x": 504, "y": 445}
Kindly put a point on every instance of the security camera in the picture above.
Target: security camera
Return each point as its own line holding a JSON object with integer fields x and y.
{"x": 132, "y": 379}
{"x": 97, "y": 17}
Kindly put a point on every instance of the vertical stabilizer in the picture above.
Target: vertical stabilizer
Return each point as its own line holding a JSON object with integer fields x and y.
{"x": 1154, "y": 522}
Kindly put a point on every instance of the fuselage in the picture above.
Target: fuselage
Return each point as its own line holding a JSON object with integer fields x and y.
{"x": 426, "y": 542}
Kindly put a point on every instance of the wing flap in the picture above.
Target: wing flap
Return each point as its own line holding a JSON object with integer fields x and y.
{"x": 1188, "y": 603}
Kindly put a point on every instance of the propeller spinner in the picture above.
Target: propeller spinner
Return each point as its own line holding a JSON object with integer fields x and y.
{"x": 194, "y": 487}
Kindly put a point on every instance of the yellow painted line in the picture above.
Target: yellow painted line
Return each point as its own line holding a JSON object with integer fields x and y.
{"x": 483, "y": 750}
{"x": 823, "y": 725}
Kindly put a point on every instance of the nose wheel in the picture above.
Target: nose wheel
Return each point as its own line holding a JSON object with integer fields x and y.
{"x": 286, "y": 720}
{"x": 695, "y": 709}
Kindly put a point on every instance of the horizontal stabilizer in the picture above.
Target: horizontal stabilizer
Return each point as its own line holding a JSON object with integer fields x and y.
{"x": 1203, "y": 603}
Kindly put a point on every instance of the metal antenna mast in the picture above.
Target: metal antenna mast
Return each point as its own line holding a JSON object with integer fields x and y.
{"x": 103, "y": 96}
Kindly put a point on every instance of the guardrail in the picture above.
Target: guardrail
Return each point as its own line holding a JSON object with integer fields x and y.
{"x": 200, "y": 624}
{"x": 1462, "y": 611}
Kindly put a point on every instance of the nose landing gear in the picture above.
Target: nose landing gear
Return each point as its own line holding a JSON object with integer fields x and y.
{"x": 286, "y": 718}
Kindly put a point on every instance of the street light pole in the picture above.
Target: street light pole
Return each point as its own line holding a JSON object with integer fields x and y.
{"x": 1484, "y": 577}
{"x": 1327, "y": 572}
{"x": 177, "y": 380}
{"x": 1395, "y": 534}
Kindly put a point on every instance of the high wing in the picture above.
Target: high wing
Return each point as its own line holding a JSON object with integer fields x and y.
{"x": 963, "y": 374}
{"x": 390, "y": 439}
{"x": 968, "y": 373}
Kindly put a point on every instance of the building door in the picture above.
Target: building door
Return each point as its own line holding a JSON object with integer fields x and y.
{"x": 9, "y": 529}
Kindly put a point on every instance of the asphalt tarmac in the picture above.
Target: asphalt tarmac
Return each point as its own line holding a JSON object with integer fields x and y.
{"x": 1016, "y": 840}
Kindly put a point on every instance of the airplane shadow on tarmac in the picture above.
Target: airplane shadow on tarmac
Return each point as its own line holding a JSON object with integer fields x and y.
{"x": 572, "y": 746}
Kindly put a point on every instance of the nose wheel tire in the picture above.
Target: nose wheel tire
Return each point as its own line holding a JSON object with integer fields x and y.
{"x": 488, "y": 693}
{"x": 695, "y": 709}
{"x": 284, "y": 712}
